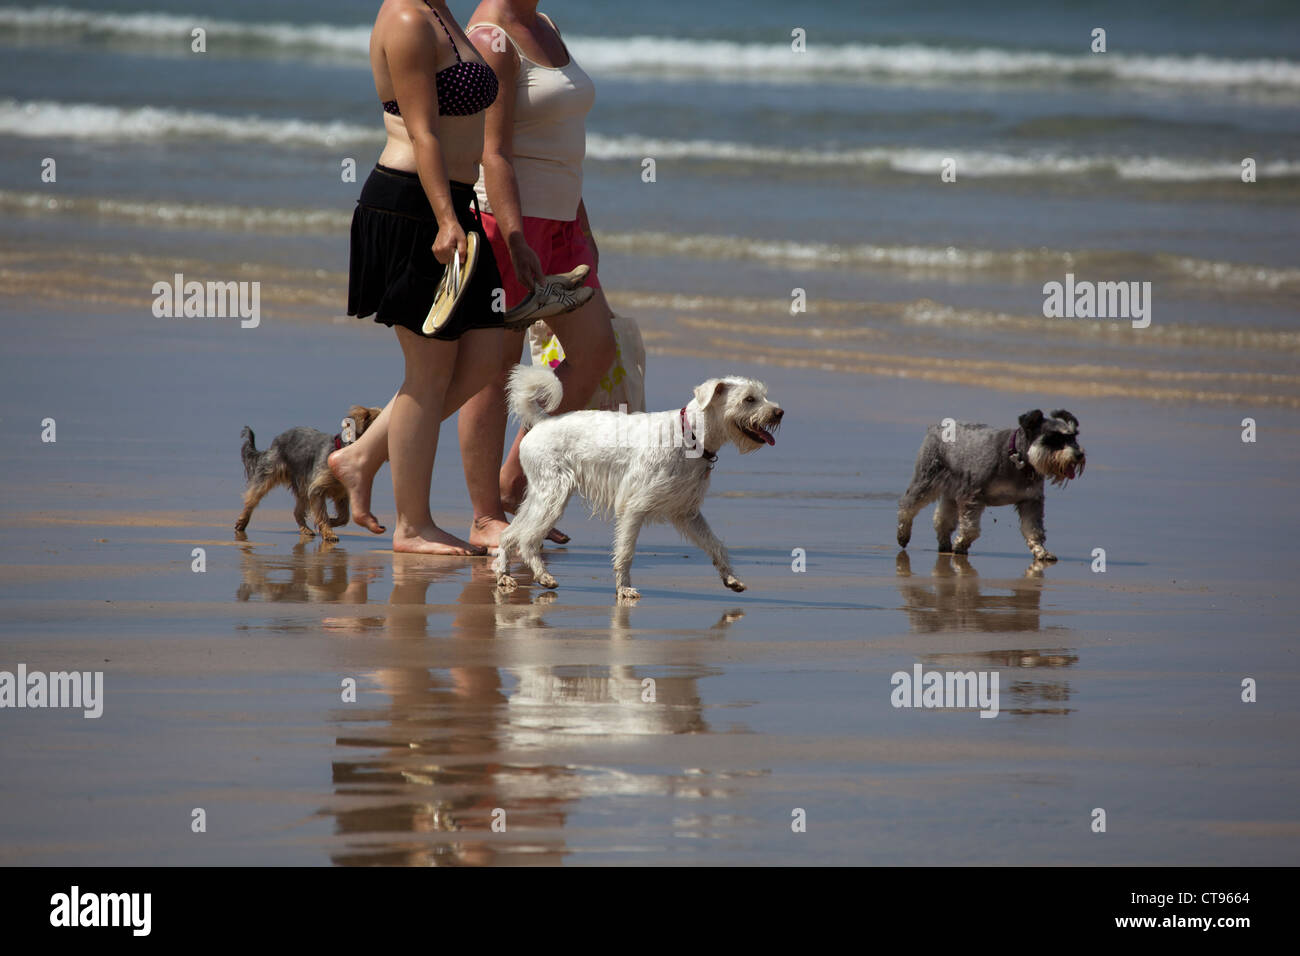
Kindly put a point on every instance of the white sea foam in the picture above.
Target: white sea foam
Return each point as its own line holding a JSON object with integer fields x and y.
{"x": 842, "y": 62}
{"x": 91, "y": 25}
{"x": 929, "y": 162}
{"x": 780, "y": 253}
{"x": 91, "y": 121}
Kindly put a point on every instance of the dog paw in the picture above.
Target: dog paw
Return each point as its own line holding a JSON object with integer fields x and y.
{"x": 546, "y": 581}
{"x": 628, "y": 593}
{"x": 734, "y": 582}
{"x": 945, "y": 547}
{"x": 904, "y": 535}
{"x": 506, "y": 583}
{"x": 329, "y": 536}
{"x": 306, "y": 533}
{"x": 1045, "y": 555}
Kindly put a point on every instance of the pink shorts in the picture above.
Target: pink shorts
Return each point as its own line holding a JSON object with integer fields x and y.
{"x": 560, "y": 245}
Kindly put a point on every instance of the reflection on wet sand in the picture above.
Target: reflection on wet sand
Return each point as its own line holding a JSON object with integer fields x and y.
{"x": 953, "y": 600}
{"x": 444, "y": 763}
{"x": 320, "y": 575}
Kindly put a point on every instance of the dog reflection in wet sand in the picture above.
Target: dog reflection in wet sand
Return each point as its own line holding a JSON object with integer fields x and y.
{"x": 643, "y": 467}
{"x": 971, "y": 467}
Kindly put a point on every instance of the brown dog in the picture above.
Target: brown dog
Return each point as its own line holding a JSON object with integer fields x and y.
{"x": 299, "y": 458}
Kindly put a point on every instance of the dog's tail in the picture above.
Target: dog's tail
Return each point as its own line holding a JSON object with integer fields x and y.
{"x": 249, "y": 452}
{"x": 533, "y": 393}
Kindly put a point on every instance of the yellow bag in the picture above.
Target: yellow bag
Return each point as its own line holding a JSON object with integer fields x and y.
{"x": 623, "y": 384}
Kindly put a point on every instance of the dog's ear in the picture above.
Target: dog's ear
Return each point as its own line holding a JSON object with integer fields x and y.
{"x": 1031, "y": 421}
{"x": 362, "y": 418}
{"x": 707, "y": 392}
{"x": 1066, "y": 417}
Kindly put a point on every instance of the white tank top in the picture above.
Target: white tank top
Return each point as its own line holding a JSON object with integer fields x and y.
{"x": 550, "y": 135}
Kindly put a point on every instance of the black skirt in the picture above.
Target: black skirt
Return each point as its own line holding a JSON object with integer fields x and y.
{"x": 392, "y": 273}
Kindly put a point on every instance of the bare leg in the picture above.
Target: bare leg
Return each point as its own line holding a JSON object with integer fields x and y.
{"x": 413, "y": 441}
{"x": 356, "y": 465}
{"x": 482, "y": 430}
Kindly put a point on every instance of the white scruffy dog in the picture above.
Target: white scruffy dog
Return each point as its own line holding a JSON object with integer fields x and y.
{"x": 642, "y": 467}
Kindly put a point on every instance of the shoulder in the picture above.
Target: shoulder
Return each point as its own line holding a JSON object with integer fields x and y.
{"x": 405, "y": 29}
{"x": 549, "y": 21}
{"x": 495, "y": 45}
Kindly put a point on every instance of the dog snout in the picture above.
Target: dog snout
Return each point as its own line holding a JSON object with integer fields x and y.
{"x": 778, "y": 413}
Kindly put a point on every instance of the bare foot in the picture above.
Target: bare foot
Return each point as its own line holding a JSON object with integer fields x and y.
{"x": 433, "y": 540}
{"x": 555, "y": 535}
{"x": 357, "y": 485}
{"x": 486, "y": 532}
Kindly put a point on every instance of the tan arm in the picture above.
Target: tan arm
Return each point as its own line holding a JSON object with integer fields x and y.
{"x": 498, "y": 152}
{"x": 411, "y": 53}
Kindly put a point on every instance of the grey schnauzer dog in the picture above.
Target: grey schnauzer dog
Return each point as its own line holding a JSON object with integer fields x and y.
{"x": 299, "y": 458}
{"x": 980, "y": 467}
{"x": 641, "y": 467}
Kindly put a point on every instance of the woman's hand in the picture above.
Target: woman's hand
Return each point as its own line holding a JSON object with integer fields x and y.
{"x": 528, "y": 267}
{"x": 450, "y": 239}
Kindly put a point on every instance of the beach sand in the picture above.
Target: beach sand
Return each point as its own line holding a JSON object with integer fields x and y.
{"x": 1119, "y": 690}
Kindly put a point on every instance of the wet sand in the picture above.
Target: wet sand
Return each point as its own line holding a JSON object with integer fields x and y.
{"x": 1119, "y": 690}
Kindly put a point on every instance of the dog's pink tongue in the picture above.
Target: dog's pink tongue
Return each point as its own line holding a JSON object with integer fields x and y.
{"x": 767, "y": 437}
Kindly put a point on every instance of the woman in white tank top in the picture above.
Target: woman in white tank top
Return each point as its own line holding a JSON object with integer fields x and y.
{"x": 530, "y": 191}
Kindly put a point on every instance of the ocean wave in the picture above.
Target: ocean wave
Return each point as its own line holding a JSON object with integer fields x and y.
{"x": 778, "y": 253}
{"x": 90, "y": 121}
{"x": 180, "y": 215}
{"x": 159, "y": 28}
{"x": 980, "y": 164}
{"x": 699, "y": 58}
{"x": 950, "y": 260}
{"x": 919, "y": 62}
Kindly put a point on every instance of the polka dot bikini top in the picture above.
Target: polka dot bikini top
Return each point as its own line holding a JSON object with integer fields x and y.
{"x": 463, "y": 88}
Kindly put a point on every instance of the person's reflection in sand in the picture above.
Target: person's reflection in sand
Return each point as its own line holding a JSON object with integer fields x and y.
{"x": 439, "y": 739}
{"x": 465, "y": 724}
{"x": 952, "y": 600}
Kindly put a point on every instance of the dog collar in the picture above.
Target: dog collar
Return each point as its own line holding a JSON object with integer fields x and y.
{"x": 1015, "y": 455}
{"x": 712, "y": 456}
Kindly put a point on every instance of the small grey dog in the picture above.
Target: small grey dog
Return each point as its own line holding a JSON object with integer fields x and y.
{"x": 979, "y": 466}
{"x": 299, "y": 458}
{"x": 641, "y": 467}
